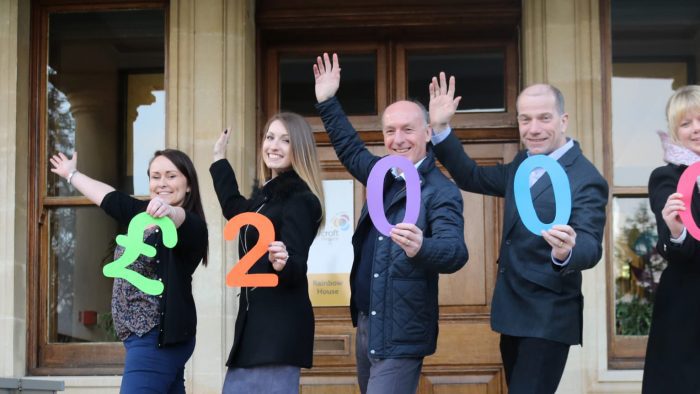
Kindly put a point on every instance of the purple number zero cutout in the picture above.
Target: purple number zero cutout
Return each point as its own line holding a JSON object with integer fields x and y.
{"x": 375, "y": 192}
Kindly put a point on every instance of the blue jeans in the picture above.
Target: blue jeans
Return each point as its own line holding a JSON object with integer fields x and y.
{"x": 150, "y": 369}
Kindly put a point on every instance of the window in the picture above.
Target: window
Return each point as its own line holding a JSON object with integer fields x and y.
{"x": 487, "y": 79}
{"x": 98, "y": 87}
{"x": 481, "y": 77}
{"x": 359, "y": 84}
{"x": 289, "y": 82}
{"x": 652, "y": 51}
{"x": 486, "y": 76}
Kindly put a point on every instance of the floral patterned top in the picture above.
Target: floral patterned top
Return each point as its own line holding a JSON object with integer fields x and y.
{"x": 133, "y": 311}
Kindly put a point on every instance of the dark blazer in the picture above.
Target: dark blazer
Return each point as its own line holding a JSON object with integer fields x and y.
{"x": 673, "y": 350}
{"x": 404, "y": 291}
{"x": 178, "y": 315}
{"x": 533, "y": 297}
{"x": 275, "y": 325}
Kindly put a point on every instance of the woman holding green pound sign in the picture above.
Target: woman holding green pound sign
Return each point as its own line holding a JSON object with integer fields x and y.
{"x": 157, "y": 327}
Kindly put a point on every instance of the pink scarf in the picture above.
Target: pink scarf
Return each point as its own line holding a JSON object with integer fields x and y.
{"x": 677, "y": 154}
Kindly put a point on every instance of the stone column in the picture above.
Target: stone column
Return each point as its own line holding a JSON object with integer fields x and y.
{"x": 211, "y": 85}
{"x": 558, "y": 49}
{"x": 14, "y": 65}
{"x": 562, "y": 45}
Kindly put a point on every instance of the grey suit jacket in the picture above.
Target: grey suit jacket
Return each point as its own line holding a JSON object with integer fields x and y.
{"x": 533, "y": 297}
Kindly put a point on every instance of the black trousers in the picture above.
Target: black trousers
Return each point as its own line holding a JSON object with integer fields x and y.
{"x": 533, "y": 365}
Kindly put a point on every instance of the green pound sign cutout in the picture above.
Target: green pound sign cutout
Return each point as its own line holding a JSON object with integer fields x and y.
{"x": 134, "y": 246}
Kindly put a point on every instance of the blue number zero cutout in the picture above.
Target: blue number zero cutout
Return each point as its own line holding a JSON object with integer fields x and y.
{"x": 523, "y": 198}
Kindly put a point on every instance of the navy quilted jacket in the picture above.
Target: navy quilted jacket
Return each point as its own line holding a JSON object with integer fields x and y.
{"x": 404, "y": 291}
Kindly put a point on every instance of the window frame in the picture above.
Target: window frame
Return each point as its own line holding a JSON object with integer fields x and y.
{"x": 623, "y": 351}
{"x": 474, "y": 125}
{"x": 44, "y": 357}
{"x": 271, "y": 80}
{"x": 391, "y": 82}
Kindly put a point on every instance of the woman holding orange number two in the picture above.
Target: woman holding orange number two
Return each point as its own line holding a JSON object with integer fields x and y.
{"x": 673, "y": 351}
{"x": 158, "y": 331}
{"x": 274, "y": 330}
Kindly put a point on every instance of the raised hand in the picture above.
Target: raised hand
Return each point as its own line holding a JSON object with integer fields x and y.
{"x": 62, "y": 165}
{"x": 66, "y": 168}
{"x": 443, "y": 104}
{"x": 327, "y": 77}
{"x": 220, "y": 146}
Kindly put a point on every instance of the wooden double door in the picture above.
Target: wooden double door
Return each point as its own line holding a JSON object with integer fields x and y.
{"x": 387, "y": 50}
{"x": 467, "y": 358}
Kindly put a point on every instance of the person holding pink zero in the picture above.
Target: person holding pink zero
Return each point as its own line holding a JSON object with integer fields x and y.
{"x": 673, "y": 351}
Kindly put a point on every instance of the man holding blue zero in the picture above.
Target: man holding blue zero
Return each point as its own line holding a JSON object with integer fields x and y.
{"x": 537, "y": 304}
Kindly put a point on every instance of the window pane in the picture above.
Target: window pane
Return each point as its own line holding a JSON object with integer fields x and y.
{"x": 145, "y": 122}
{"x": 480, "y": 76}
{"x": 93, "y": 104}
{"x": 639, "y": 96}
{"x": 80, "y": 243}
{"x": 637, "y": 266}
{"x": 105, "y": 100}
{"x": 654, "y": 52}
{"x": 358, "y": 90}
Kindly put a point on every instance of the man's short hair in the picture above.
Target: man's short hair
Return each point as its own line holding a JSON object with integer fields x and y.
{"x": 558, "y": 99}
{"x": 558, "y": 96}
{"x": 426, "y": 115}
{"x": 420, "y": 105}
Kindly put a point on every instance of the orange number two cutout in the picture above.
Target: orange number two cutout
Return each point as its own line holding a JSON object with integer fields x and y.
{"x": 239, "y": 276}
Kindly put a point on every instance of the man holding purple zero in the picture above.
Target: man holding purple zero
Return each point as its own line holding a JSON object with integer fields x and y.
{"x": 394, "y": 277}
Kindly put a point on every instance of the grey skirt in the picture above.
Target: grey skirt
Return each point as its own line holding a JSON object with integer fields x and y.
{"x": 272, "y": 379}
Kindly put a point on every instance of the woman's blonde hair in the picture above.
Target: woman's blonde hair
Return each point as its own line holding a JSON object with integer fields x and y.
{"x": 304, "y": 157}
{"x": 684, "y": 100}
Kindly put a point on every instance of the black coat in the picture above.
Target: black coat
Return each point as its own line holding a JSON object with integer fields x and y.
{"x": 178, "y": 315}
{"x": 673, "y": 351}
{"x": 275, "y": 325}
{"x": 533, "y": 297}
{"x": 404, "y": 290}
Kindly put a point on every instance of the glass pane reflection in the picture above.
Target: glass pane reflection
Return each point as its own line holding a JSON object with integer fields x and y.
{"x": 81, "y": 242}
{"x": 639, "y": 95}
{"x": 637, "y": 266}
{"x": 145, "y": 122}
{"x": 480, "y": 78}
{"x": 92, "y": 100}
{"x": 357, "y": 93}
{"x": 60, "y": 134}
{"x": 105, "y": 100}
